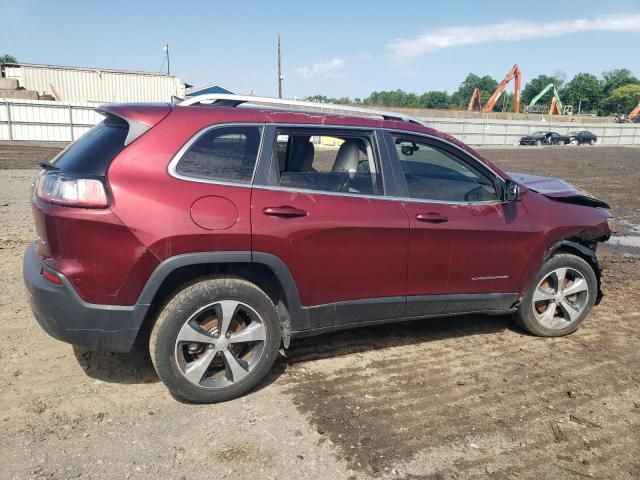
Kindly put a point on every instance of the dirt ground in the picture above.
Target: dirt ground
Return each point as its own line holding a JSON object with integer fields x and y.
{"x": 464, "y": 398}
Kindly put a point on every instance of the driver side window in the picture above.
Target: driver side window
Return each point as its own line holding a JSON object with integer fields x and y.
{"x": 432, "y": 173}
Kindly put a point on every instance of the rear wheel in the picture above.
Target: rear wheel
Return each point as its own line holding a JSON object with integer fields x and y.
{"x": 559, "y": 298}
{"x": 215, "y": 340}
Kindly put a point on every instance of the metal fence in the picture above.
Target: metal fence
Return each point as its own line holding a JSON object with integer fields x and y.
{"x": 38, "y": 120}
{"x": 41, "y": 120}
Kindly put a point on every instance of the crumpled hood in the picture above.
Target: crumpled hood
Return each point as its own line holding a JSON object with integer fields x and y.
{"x": 557, "y": 189}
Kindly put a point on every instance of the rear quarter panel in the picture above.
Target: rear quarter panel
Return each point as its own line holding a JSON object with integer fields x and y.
{"x": 156, "y": 207}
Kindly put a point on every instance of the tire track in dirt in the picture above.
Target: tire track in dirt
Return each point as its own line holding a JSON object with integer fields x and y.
{"x": 444, "y": 382}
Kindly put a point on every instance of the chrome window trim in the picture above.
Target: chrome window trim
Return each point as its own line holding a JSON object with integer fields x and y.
{"x": 172, "y": 168}
{"x": 307, "y": 191}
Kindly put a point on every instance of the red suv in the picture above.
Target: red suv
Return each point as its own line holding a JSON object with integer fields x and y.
{"x": 218, "y": 229}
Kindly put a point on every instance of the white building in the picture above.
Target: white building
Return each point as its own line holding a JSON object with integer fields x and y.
{"x": 94, "y": 85}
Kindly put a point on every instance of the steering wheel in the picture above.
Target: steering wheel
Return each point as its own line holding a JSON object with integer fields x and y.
{"x": 468, "y": 194}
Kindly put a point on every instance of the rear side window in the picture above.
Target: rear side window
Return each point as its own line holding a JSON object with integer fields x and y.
{"x": 226, "y": 154}
{"x": 92, "y": 153}
{"x": 327, "y": 161}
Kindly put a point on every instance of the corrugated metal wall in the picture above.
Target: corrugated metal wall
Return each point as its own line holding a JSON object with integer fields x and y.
{"x": 80, "y": 85}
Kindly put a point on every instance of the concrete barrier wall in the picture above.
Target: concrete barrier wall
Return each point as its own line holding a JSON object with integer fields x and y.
{"x": 40, "y": 120}
{"x": 508, "y": 132}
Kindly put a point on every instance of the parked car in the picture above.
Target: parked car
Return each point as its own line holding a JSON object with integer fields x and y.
{"x": 215, "y": 233}
{"x": 545, "y": 138}
{"x": 584, "y": 136}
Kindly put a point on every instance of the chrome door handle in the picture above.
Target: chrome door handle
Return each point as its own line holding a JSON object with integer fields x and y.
{"x": 432, "y": 218}
{"x": 284, "y": 211}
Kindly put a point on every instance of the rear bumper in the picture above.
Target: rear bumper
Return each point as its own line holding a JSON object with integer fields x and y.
{"x": 64, "y": 315}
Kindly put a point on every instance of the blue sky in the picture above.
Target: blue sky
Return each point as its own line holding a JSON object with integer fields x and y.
{"x": 335, "y": 48}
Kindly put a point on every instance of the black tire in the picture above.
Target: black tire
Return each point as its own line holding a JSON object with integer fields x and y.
{"x": 525, "y": 316}
{"x": 592, "y": 142}
{"x": 172, "y": 318}
{"x": 538, "y": 143}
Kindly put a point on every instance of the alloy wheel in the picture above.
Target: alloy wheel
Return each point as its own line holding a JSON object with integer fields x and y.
{"x": 560, "y": 298}
{"x": 220, "y": 344}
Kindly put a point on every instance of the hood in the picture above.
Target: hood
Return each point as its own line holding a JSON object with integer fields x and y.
{"x": 558, "y": 190}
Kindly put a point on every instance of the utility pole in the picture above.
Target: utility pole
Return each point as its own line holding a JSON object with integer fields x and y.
{"x": 279, "y": 71}
{"x": 165, "y": 49}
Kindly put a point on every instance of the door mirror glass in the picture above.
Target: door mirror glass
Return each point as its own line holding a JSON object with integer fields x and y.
{"x": 511, "y": 191}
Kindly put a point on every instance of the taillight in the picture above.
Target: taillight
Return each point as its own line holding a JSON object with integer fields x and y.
{"x": 71, "y": 191}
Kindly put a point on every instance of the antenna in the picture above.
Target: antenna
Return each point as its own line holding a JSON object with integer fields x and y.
{"x": 280, "y": 78}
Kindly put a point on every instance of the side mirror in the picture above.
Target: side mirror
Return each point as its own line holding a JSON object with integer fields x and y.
{"x": 511, "y": 191}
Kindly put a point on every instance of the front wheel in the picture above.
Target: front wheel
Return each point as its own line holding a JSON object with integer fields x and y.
{"x": 592, "y": 142}
{"x": 538, "y": 143}
{"x": 559, "y": 298}
{"x": 215, "y": 340}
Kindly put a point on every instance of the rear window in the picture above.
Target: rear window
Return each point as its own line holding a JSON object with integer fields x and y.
{"x": 92, "y": 153}
{"x": 225, "y": 154}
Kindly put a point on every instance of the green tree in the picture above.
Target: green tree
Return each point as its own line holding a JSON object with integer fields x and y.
{"x": 622, "y": 99}
{"x": 584, "y": 90}
{"x": 487, "y": 85}
{"x": 613, "y": 79}
{"x": 393, "y": 98}
{"x": 434, "y": 99}
{"x": 535, "y": 86}
{"x": 8, "y": 59}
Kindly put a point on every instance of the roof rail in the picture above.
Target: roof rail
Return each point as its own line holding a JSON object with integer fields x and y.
{"x": 230, "y": 100}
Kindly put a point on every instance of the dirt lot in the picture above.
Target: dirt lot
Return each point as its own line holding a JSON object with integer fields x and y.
{"x": 470, "y": 397}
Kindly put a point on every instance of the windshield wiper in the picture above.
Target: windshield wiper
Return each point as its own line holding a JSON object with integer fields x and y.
{"x": 48, "y": 166}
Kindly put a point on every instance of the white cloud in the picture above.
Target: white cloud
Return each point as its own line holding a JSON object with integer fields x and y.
{"x": 325, "y": 68}
{"x": 407, "y": 49}
{"x": 363, "y": 56}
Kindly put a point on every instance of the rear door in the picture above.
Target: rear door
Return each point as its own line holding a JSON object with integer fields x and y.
{"x": 465, "y": 243}
{"x": 321, "y": 210}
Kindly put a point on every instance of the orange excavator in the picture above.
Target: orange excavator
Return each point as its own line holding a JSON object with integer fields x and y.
{"x": 513, "y": 74}
{"x": 635, "y": 114}
{"x": 474, "y": 103}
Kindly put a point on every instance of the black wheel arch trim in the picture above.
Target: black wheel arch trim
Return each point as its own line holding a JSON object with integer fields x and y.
{"x": 298, "y": 315}
{"x": 587, "y": 253}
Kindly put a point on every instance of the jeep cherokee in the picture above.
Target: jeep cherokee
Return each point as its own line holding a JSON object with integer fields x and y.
{"x": 217, "y": 229}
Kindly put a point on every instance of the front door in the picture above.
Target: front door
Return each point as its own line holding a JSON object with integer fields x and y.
{"x": 324, "y": 214}
{"x": 465, "y": 242}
